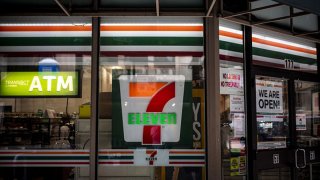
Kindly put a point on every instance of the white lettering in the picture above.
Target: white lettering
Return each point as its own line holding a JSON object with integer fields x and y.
{"x": 197, "y": 135}
{"x": 49, "y": 81}
{"x": 65, "y": 84}
{"x": 35, "y": 84}
{"x": 195, "y": 111}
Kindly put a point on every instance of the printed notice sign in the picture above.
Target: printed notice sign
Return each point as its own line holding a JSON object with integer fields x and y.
{"x": 31, "y": 84}
{"x": 301, "y": 122}
{"x": 231, "y": 81}
{"x": 269, "y": 98}
{"x": 236, "y": 103}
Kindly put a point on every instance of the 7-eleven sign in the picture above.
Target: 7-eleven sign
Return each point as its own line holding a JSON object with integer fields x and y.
{"x": 151, "y": 108}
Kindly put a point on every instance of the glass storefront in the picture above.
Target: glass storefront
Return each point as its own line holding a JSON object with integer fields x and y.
{"x": 45, "y": 88}
{"x": 152, "y": 83}
{"x": 232, "y": 109}
{"x": 152, "y": 100}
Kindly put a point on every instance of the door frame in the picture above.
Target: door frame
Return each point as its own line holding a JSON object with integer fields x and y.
{"x": 286, "y": 156}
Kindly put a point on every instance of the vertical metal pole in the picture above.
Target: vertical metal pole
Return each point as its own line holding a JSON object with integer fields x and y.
{"x": 95, "y": 51}
{"x": 250, "y": 105}
{"x": 292, "y": 122}
{"x": 213, "y": 96}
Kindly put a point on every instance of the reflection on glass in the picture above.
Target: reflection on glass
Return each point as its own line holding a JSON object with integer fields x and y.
{"x": 272, "y": 113}
{"x": 307, "y": 114}
{"x": 152, "y": 85}
{"x": 233, "y": 120}
{"x": 275, "y": 174}
{"x": 48, "y": 64}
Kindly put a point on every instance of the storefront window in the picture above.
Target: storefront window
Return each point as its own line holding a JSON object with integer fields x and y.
{"x": 232, "y": 110}
{"x": 44, "y": 91}
{"x": 152, "y": 90}
{"x": 277, "y": 50}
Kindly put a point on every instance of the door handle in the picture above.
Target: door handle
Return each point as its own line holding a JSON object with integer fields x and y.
{"x": 304, "y": 159}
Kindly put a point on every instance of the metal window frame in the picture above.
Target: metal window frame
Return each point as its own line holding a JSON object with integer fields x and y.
{"x": 213, "y": 142}
{"x": 94, "y": 122}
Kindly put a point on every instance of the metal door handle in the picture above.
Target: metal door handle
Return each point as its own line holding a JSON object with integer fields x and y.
{"x": 304, "y": 158}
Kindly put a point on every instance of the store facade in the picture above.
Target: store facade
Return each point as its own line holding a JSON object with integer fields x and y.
{"x": 156, "y": 98}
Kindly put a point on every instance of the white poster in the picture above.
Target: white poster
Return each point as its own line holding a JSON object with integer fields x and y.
{"x": 301, "y": 122}
{"x": 269, "y": 98}
{"x": 231, "y": 81}
{"x": 238, "y": 124}
{"x": 236, "y": 103}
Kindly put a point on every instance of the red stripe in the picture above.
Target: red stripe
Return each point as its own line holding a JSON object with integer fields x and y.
{"x": 160, "y": 99}
{"x": 122, "y": 162}
{"x": 231, "y": 58}
{"x": 150, "y": 53}
{"x": 102, "y": 53}
{"x": 45, "y": 54}
{"x": 42, "y": 163}
{"x": 184, "y": 162}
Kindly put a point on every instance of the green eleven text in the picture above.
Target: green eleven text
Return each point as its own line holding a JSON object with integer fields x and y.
{"x": 152, "y": 118}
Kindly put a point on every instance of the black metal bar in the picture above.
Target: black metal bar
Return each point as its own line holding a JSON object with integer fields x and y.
{"x": 95, "y": 5}
{"x": 95, "y": 51}
{"x": 292, "y": 124}
{"x": 64, "y": 9}
{"x": 252, "y": 10}
{"x": 281, "y": 18}
{"x": 292, "y": 113}
{"x": 307, "y": 33}
{"x": 283, "y": 73}
{"x": 250, "y": 105}
{"x": 291, "y": 20}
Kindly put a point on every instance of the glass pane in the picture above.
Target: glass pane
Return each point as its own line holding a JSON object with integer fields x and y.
{"x": 315, "y": 171}
{"x": 152, "y": 99}
{"x": 307, "y": 114}
{"x": 233, "y": 121}
{"x": 45, "y": 85}
{"x": 277, "y": 50}
{"x": 272, "y": 113}
{"x": 275, "y": 174}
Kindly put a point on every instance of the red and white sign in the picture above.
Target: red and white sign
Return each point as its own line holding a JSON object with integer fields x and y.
{"x": 231, "y": 81}
{"x": 152, "y": 108}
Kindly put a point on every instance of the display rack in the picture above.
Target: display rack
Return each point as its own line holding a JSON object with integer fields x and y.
{"x": 24, "y": 129}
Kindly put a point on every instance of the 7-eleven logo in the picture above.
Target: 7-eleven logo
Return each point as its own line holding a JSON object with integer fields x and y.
{"x": 152, "y": 108}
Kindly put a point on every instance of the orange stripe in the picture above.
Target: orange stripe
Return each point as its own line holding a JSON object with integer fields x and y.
{"x": 117, "y": 152}
{"x": 45, "y": 28}
{"x": 144, "y": 89}
{"x": 230, "y": 34}
{"x": 270, "y": 43}
{"x": 280, "y": 45}
{"x": 44, "y": 153}
{"x": 151, "y": 28}
{"x": 186, "y": 152}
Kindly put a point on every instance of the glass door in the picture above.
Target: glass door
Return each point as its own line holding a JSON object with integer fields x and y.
{"x": 272, "y": 128}
{"x": 287, "y": 128}
{"x": 307, "y": 129}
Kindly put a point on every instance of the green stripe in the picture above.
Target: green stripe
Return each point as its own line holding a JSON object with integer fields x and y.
{"x": 231, "y": 46}
{"x": 158, "y": 41}
{"x": 115, "y": 157}
{"x": 44, "y": 158}
{"x": 282, "y": 56}
{"x": 45, "y": 41}
{"x": 267, "y": 53}
{"x": 111, "y": 41}
{"x": 186, "y": 157}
